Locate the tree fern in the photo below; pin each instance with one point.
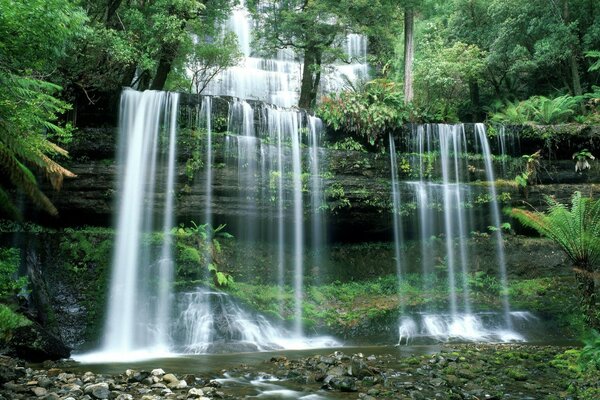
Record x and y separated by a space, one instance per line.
576 231
28 111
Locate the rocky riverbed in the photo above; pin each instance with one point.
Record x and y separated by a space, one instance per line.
456 371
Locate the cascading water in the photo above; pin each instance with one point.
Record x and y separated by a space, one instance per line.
442 210
138 307
277 80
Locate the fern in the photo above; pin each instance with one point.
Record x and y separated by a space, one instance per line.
28 112
576 231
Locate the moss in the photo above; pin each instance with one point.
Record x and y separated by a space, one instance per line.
518 374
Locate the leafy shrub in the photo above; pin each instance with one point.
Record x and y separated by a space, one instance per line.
369 114
577 232
199 249
10 320
9 284
590 354
540 110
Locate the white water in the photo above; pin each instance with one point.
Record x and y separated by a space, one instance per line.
277 80
137 312
212 322
495 209
443 204
397 220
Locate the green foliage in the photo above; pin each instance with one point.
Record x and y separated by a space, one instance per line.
576 231
582 158
367 115
207 59
29 107
595 55
87 249
539 110
199 249
443 75
10 285
348 144
10 320
590 354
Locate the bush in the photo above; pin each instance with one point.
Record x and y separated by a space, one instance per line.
10 320
369 114
540 110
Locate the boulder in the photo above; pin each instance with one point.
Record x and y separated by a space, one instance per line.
98 390
36 344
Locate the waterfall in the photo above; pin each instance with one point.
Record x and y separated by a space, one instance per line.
489 173
396 217
444 200
138 308
276 80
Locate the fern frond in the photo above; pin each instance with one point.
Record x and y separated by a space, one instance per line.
575 230
21 177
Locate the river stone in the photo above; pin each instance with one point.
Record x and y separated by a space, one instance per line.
344 384
336 371
194 393
359 368
158 386
98 390
39 391
190 379
124 396
158 372
170 378
45 382
465 373
51 396
181 384
54 372
437 382
8 373
139 376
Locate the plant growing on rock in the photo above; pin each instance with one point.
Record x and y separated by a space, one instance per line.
199 245
367 114
581 160
577 232
528 176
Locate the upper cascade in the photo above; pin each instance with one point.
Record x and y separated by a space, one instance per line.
277 80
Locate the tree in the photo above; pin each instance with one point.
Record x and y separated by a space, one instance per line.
310 27
136 43
29 108
577 232
208 59
409 51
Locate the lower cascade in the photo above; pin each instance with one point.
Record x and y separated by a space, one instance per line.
269 149
444 207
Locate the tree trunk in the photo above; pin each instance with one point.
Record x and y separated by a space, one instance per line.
162 71
590 301
317 78
307 87
409 44
573 63
476 107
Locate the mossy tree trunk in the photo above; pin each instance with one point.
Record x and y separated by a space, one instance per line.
587 280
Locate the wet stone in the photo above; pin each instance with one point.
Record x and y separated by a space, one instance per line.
39 391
